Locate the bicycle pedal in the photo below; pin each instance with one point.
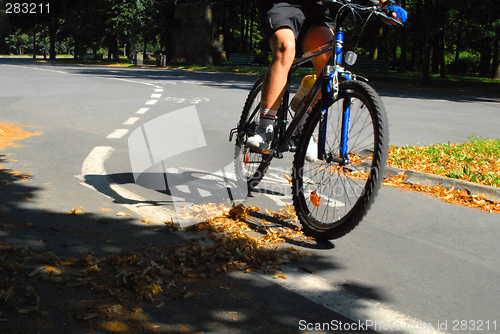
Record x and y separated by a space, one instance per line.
232 133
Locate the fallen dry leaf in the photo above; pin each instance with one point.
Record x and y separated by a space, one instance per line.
76 210
93 269
452 196
188 295
122 214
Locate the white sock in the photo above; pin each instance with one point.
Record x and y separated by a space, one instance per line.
267 117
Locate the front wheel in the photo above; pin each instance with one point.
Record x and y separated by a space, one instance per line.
331 198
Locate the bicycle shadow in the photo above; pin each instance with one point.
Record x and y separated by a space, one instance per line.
66 301
199 187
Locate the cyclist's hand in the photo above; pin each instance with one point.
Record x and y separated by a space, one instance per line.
398 13
391 9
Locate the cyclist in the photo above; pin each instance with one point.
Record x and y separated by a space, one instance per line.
285 22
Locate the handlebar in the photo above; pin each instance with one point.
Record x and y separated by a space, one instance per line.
376 10
389 18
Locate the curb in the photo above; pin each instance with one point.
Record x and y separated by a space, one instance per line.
412 177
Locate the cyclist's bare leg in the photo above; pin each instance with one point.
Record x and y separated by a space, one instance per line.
282 43
314 37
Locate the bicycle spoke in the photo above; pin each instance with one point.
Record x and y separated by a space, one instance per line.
253 165
343 192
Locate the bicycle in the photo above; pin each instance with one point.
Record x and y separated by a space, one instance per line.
349 126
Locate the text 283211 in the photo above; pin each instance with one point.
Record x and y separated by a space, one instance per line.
27 8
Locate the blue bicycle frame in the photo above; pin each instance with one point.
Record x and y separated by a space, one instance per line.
329 93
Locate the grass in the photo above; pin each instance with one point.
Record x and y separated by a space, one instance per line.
476 160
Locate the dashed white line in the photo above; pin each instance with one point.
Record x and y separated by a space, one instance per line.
142 110
118 133
155 96
151 102
159 90
131 121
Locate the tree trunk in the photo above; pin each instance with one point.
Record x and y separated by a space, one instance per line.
426 79
52 36
76 49
459 46
378 40
242 28
252 22
114 43
132 46
34 43
497 73
438 59
485 62
496 56
404 45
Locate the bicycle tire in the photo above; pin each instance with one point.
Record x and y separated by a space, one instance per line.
251 166
342 194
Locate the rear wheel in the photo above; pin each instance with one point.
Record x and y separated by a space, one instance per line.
331 198
250 165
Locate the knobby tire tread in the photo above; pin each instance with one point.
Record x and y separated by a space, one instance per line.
348 222
264 165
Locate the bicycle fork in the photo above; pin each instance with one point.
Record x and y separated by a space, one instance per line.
330 92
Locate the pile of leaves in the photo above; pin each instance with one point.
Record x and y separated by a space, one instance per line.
11 133
225 244
453 196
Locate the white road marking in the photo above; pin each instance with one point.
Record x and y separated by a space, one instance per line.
151 102
159 90
318 290
62 72
277 187
117 134
142 110
93 164
101 76
95 176
195 100
131 121
155 96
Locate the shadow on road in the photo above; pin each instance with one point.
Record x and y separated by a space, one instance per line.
455 91
80 272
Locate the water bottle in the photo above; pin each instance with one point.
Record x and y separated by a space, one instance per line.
304 88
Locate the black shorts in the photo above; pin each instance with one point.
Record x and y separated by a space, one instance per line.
297 15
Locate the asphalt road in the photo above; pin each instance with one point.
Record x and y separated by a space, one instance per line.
413 260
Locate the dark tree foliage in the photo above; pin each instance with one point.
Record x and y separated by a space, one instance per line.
440 37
